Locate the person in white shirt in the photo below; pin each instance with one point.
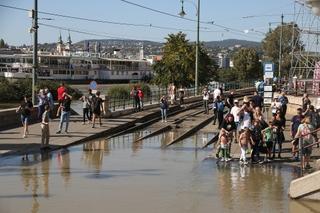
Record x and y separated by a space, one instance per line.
275 105
205 97
235 112
216 93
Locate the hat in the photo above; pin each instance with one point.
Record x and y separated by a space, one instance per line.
245 99
236 101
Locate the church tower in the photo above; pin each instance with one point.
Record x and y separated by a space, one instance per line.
60 45
69 43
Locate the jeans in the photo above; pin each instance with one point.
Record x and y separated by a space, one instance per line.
277 140
163 114
206 106
220 117
86 113
65 116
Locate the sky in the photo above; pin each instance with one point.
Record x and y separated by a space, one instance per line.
227 14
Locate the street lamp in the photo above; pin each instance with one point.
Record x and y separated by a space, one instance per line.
182 14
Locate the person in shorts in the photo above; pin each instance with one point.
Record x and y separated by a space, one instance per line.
25 109
97 108
304 132
295 123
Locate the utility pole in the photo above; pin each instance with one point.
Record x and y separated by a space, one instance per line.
35 48
197 49
280 49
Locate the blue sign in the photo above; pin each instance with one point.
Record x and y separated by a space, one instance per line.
268 67
93 85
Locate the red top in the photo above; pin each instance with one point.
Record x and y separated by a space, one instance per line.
60 92
140 93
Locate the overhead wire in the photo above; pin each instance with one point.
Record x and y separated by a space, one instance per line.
212 23
227 29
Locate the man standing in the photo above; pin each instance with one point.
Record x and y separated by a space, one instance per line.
205 97
136 100
235 112
257 100
65 110
97 108
295 123
141 96
60 91
25 108
230 100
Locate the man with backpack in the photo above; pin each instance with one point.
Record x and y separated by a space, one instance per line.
314 120
218 108
97 108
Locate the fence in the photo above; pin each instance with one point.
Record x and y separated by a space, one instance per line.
116 103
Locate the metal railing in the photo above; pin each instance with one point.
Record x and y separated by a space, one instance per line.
154 97
116 103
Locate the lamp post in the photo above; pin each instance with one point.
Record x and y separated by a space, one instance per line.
182 14
35 47
280 49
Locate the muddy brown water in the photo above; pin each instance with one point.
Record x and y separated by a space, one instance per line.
119 176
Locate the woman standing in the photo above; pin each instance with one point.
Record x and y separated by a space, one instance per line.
278 128
164 108
304 131
25 109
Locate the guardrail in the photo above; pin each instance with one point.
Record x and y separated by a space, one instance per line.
116 103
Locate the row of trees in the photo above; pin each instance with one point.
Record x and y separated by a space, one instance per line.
178 62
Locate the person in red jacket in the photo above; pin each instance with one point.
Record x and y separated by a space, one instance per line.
61 90
140 95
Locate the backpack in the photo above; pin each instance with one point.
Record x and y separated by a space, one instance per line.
220 106
305 132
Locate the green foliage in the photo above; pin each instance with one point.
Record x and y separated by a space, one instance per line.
123 91
178 63
247 65
271 45
14 91
227 75
3 44
119 91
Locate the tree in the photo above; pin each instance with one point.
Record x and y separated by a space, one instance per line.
3 44
247 65
271 45
178 63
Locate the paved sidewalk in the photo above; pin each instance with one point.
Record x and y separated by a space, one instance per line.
11 140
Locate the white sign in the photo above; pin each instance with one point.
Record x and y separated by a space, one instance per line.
268 95
267 88
268 75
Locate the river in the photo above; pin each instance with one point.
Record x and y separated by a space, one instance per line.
120 176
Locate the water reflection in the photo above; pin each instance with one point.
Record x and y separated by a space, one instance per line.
171 180
93 154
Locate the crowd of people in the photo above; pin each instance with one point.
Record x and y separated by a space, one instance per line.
257 136
92 105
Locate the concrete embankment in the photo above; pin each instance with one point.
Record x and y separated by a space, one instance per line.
307 187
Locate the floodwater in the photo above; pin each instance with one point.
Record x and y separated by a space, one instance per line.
120 176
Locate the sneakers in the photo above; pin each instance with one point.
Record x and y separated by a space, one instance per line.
83 123
222 160
58 132
245 162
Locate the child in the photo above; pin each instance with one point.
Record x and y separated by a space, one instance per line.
45 133
257 137
268 140
244 140
224 145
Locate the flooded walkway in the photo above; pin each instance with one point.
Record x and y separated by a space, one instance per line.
120 176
